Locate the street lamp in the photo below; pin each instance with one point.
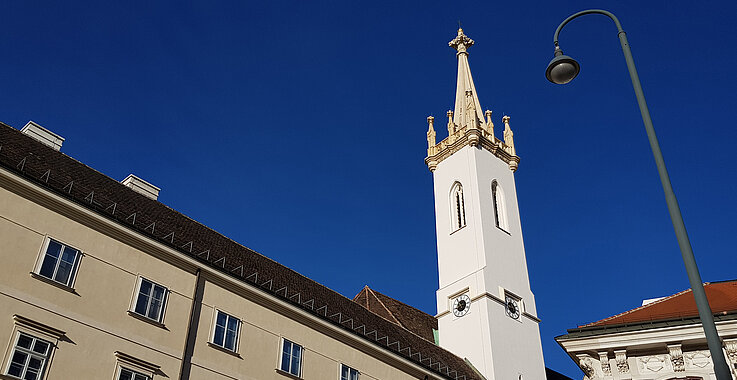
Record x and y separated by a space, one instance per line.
561 70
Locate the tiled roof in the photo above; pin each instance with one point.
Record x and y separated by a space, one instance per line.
722 298
81 184
398 312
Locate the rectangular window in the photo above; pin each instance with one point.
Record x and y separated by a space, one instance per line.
29 357
151 300
59 263
126 374
226 331
291 358
348 373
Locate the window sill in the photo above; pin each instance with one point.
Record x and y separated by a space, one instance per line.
223 349
454 231
8 377
503 230
52 282
287 374
147 319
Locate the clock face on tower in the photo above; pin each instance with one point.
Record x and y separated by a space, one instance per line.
512 307
461 305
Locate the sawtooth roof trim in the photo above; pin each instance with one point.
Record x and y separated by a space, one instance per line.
84 185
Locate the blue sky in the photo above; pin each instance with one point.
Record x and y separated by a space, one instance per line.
298 129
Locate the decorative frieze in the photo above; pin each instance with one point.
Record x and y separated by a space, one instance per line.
604 360
698 359
469 136
676 357
730 347
586 363
620 356
653 363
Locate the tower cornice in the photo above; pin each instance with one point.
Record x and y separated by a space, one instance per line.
463 136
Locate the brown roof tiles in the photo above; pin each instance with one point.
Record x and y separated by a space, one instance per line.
398 312
79 183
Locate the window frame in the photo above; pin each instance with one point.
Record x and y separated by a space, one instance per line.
499 205
214 331
125 362
29 352
340 374
36 329
457 207
280 358
70 283
133 372
136 294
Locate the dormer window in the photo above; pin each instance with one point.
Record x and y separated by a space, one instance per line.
458 212
500 210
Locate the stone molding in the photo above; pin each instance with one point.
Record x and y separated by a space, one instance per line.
38 326
604 360
676 357
474 137
730 347
621 358
586 363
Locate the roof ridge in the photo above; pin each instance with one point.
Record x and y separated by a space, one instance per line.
405 304
357 300
666 298
386 308
412 332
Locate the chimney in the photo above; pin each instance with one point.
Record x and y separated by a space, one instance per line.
43 135
141 186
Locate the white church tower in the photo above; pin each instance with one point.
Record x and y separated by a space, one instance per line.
486 310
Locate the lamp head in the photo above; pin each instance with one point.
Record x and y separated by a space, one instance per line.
562 69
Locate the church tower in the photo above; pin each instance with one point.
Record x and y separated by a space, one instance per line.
486 310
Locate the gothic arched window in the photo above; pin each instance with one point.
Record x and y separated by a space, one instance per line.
457 209
500 209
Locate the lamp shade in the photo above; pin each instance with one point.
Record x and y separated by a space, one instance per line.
562 69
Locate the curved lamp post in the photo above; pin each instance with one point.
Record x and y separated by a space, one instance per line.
561 70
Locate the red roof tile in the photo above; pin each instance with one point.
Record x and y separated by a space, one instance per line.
722 298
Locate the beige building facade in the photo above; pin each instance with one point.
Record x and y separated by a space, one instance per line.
101 281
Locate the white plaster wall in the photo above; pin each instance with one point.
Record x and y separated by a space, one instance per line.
480 245
459 252
464 337
516 345
483 259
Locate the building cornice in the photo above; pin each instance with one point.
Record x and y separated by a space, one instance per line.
662 334
641 326
476 137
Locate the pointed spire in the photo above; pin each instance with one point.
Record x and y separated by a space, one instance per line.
508 136
467 107
451 125
430 132
489 124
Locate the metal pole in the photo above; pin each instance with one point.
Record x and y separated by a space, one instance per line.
721 368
